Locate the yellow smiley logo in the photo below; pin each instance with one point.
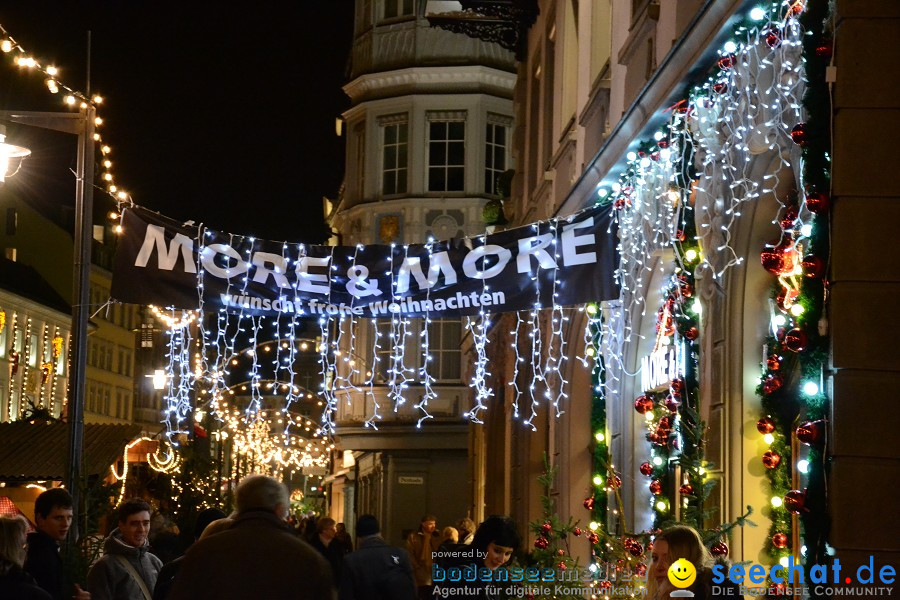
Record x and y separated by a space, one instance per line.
682 573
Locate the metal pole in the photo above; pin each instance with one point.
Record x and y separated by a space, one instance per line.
84 201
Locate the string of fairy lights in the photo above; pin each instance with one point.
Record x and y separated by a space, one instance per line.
71 99
738 139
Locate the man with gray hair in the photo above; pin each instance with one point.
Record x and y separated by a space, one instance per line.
257 557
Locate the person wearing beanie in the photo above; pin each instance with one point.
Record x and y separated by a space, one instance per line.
376 571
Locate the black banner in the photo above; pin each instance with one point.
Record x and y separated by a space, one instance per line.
566 261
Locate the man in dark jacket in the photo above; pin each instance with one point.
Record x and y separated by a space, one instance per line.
53 518
376 571
127 570
257 557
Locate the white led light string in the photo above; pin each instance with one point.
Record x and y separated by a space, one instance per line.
424 373
327 366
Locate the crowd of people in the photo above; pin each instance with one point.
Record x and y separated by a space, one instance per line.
256 553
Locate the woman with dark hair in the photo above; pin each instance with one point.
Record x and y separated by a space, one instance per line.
492 546
681 541
497 538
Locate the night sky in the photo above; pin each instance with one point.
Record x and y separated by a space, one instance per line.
218 114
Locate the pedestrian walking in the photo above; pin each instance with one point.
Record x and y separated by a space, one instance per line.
14 581
449 537
258 556
127 570
682 541
421 545
169 572
343 536
376 571
52 518
466 528
492 546
331 550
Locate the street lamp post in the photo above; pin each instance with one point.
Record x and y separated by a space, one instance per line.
82 125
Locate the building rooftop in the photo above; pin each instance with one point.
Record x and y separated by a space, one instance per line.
24 281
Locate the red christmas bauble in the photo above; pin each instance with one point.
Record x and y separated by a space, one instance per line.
776 589
779 259
646 469
812 433
665 323
680 235
615 482
799 134
655 487
663 427
642 404
771 261
692 333
796 340
654 156
577 531
780 541
797 7
817 202
687 290
726 62
663 143
771 459
677 385
627 542
789 218
562 565
640 570
720 88
636 549
773 39
541 543
593 538
560 552
773 363
765 425
546 528
795 501
672 402
589 503
686 490
813 266
605 584
719 549
772 383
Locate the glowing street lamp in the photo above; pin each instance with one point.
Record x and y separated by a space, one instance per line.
80 124
11 156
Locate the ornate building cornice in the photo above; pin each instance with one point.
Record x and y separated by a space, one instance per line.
431 79
503 22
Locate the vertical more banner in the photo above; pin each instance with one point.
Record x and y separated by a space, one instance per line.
563 261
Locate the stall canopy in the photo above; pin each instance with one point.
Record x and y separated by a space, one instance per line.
39 451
